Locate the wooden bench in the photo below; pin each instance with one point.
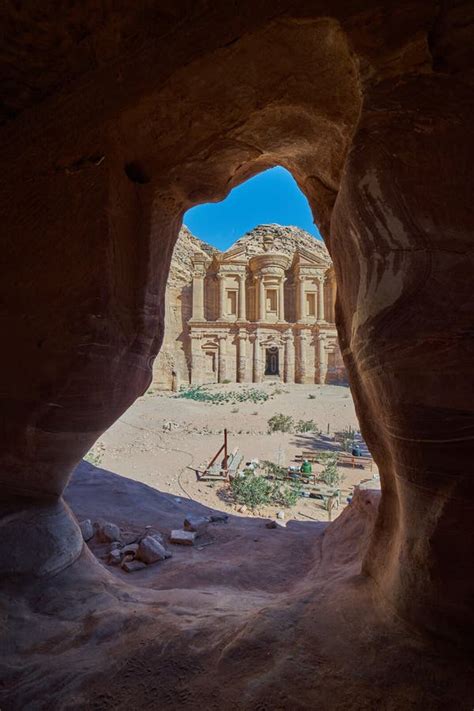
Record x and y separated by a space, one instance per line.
345 459
233 463
313 457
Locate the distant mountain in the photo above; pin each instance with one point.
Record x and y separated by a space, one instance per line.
181 264
280 238
263 238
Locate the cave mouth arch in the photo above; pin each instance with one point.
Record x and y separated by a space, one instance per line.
218 120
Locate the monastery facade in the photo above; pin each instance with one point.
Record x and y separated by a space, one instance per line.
256 312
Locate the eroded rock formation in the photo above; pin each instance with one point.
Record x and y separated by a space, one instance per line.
116 122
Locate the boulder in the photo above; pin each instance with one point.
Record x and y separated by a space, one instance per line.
219 518
185 538
108 532
271 524
197 524
87 529
150 550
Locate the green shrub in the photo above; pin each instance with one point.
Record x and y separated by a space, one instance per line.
306 426
330 474
201 394
94 456
251 490
280 423
254 491
286 495
274 470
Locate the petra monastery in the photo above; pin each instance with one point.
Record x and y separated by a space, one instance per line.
262 309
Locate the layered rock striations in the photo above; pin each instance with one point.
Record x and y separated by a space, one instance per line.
118 120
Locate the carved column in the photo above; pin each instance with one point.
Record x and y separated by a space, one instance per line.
333 298
321 299
281 300
242 357
261 299
322 358
300 299
289 359
196 360
242 298
256 359
222 363
198 297
221 296
302 370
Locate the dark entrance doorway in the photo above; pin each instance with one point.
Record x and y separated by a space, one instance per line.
272 365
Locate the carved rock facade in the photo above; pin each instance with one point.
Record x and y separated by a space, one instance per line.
262 309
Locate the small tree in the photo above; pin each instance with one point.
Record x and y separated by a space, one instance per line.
347 438
280 423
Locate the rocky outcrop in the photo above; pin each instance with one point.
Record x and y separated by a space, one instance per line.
285 239
181 267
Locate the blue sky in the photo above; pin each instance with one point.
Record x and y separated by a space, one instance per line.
272 196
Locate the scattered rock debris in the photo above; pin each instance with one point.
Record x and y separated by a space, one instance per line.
271 524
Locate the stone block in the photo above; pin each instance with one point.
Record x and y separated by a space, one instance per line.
185 538
130 566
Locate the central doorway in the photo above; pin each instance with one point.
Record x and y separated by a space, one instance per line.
272 364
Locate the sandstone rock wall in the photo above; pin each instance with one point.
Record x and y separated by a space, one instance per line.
118 120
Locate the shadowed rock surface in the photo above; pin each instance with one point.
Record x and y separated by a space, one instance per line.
115 123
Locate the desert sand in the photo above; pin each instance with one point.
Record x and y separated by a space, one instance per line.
162 437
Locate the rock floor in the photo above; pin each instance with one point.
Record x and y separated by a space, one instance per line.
260 619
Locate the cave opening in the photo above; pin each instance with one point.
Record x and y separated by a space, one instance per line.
353 104
250 341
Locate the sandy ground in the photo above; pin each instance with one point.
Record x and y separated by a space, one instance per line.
162 437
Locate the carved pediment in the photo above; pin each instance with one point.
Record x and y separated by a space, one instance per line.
304 258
